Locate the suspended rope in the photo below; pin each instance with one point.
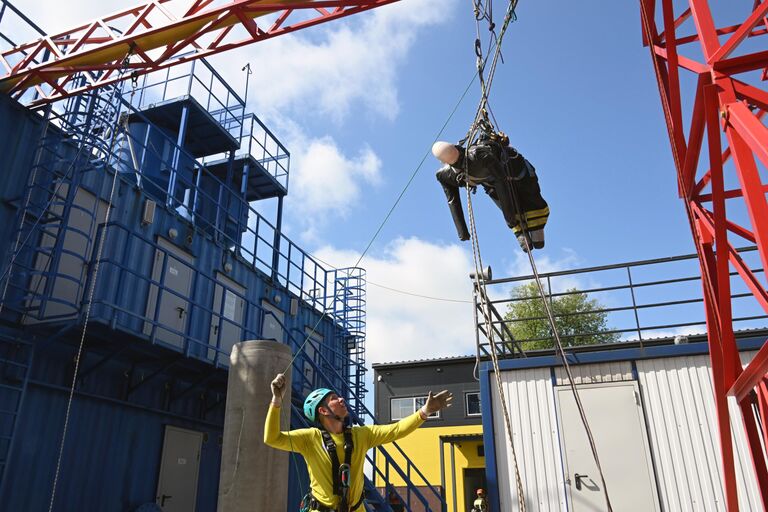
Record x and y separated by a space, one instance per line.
121 125
482 123
481 119
388 215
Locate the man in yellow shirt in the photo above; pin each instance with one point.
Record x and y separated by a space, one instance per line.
338 490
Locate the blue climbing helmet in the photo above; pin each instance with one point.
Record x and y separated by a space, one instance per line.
313 400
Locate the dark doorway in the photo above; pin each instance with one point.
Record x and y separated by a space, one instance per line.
474 479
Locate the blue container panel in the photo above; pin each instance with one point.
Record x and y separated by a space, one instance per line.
111 459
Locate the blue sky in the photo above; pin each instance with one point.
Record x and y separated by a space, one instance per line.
358 102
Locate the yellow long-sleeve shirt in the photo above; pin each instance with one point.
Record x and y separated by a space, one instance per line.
309 443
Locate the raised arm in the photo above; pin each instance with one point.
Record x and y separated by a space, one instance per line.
293 440
382 434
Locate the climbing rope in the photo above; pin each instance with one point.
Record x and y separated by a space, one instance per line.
94 277
389 213
482 123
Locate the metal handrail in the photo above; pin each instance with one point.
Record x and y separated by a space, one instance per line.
634 329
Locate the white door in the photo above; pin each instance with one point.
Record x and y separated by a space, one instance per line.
616 418
272 321
227 319
177 484
174 270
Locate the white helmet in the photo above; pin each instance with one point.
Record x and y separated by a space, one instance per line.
445 152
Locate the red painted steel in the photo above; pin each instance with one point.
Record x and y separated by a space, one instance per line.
725 116
148 37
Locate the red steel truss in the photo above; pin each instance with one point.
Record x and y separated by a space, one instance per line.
154 38
726 109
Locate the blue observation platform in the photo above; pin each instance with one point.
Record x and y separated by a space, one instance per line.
260 165
190 123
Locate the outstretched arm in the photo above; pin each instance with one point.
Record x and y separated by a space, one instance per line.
382 434
294 440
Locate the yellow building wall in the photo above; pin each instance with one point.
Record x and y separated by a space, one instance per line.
423 449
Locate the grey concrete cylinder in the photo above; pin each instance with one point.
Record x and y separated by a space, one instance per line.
253 475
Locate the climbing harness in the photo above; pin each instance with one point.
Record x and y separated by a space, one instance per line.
340 474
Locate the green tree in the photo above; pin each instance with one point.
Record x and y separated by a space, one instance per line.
579 319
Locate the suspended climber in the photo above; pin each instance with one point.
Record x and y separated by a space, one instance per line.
507 177
337 487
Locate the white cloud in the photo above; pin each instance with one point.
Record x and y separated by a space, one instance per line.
328 70
325 181
403 327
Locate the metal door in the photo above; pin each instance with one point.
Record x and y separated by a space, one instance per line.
227 318
310 351
271 320
179 468
617 421
173 269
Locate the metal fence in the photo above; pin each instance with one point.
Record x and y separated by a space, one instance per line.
627 302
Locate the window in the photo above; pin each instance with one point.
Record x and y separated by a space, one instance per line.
403 407
472 401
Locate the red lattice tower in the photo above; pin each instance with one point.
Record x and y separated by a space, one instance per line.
727 108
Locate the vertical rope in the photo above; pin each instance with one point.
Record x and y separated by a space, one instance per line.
91 291
477 258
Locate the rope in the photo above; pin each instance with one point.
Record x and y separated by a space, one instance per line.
556 334
477 258
91 292
481 120
389 214
567 366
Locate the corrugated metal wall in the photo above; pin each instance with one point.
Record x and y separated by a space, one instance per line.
111 458
680 418
682 426
593 373
530 399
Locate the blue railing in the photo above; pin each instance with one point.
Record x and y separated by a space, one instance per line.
196 79
258 142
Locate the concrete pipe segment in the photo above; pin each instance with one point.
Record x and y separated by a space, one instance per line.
253 475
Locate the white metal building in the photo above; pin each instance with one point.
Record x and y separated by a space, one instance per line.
652 415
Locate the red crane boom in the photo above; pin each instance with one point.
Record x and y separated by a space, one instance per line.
155 39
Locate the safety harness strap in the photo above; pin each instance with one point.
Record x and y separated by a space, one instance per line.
340 472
